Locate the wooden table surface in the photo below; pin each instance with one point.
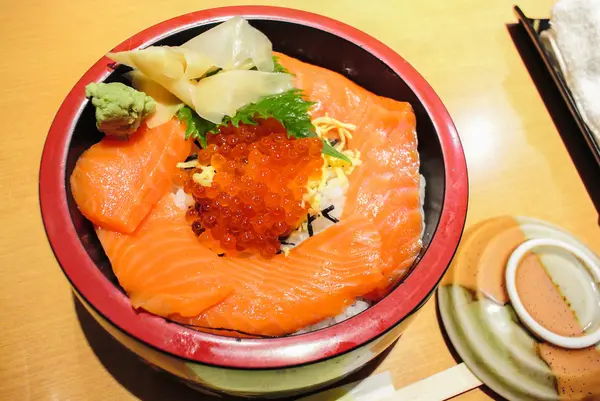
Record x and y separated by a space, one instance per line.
50 349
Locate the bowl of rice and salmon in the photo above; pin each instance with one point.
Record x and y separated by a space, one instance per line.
256 200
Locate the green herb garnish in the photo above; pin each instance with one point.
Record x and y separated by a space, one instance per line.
278 67
331 151
289 108
196 126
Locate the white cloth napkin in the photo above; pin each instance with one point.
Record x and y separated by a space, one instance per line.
575 36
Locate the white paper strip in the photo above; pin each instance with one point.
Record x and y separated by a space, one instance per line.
439 387
370 389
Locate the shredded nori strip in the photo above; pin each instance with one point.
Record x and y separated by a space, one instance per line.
221 255
287 243
325 213
191 157
328 209
278 252
197 142
334 142
309 223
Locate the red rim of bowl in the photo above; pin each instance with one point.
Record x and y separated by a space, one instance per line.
252 353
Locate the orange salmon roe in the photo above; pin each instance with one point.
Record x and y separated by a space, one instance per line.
256 194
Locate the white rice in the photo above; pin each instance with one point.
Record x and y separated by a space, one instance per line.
181 199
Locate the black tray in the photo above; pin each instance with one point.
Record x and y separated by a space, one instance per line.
534 27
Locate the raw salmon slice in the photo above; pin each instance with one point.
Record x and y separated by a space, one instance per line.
166 270
162 266
386 186
115 183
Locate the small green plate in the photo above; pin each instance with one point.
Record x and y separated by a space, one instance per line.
556 289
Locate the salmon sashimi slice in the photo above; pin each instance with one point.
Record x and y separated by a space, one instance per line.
166 270
115 183
162 265
386 187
